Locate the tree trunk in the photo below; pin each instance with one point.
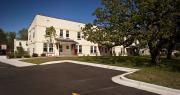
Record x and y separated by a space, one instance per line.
155 58
155 54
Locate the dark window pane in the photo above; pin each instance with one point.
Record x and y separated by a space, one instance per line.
95 49
78 35
60 48
67 47
61 33
80 48
91 50
67 33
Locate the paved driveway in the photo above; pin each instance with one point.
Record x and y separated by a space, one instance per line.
61 79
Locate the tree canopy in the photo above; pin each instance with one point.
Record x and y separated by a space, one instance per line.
23 34
111 24
121 22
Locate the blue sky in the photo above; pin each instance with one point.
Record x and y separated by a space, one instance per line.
17 14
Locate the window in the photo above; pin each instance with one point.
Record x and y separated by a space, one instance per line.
61 33
30 37
67 33
79 48
67 47
95 49
60 48
91 50
51 47
45 47
33 34
78 35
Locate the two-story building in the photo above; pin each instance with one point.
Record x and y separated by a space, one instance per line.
67 40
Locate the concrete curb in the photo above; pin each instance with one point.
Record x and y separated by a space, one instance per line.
15 62
121 79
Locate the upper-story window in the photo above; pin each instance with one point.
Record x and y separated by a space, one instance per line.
30 37
67 33
33 34
61 33
78 35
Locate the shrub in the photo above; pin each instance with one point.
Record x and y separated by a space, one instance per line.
18 55
43 54
34 55
11 55
27 56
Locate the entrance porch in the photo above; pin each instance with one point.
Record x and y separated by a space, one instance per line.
66 47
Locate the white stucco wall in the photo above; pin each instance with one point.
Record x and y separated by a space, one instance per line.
24 44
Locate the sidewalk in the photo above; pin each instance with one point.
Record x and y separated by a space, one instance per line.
14 62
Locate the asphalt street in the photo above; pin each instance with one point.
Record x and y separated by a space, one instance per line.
62 79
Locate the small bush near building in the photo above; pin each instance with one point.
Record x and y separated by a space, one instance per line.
18 55
27 56
10 55
34 55
43 54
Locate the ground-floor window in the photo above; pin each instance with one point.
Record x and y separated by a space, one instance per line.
60 48
93 49
79 48
48 47
45 47
51 47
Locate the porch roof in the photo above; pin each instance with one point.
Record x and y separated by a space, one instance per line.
62 40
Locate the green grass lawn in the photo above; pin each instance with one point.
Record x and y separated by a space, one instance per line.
167 74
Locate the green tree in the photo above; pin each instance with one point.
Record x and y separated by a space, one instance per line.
23 34
10 40
50 33
156 23
3 39
111 25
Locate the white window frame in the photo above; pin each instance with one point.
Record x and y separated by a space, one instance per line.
79 35
93 49
67 33
79 50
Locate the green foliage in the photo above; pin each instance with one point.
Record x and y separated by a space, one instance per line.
26 56
20 50
3 39
34 55
10 40
43 54
50 32
23 34
11 55
111 24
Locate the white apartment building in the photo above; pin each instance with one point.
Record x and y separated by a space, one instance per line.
67 41
20 43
